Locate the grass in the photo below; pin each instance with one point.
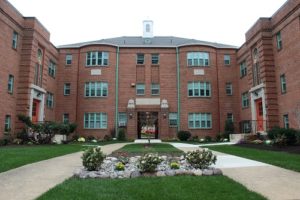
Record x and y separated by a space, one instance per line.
160 148
163 188
280 159
15 156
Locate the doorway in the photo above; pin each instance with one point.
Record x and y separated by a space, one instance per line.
259 115
35 110
147 125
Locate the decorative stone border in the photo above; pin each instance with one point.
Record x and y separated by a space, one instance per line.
131 170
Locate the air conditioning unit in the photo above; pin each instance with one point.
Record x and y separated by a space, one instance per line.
121 124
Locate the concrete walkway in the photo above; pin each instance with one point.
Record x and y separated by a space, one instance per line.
30 181
273 182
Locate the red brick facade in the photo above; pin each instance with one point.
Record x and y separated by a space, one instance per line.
266 103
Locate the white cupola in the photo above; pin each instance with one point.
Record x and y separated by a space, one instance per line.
147 29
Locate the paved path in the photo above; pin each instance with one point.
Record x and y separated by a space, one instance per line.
273 182
30 181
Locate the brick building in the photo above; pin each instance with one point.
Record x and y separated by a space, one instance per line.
149 83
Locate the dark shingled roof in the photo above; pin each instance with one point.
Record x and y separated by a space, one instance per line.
161 41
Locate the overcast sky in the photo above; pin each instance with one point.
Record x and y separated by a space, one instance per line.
222 21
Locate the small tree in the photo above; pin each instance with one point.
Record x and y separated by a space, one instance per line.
296 113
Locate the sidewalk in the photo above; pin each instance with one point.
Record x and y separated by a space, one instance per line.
273 182
30 181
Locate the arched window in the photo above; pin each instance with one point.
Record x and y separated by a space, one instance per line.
255 55
40 56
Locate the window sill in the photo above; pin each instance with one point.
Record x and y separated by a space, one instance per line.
96 66
209 97
95 128
191 66
94 97
200 128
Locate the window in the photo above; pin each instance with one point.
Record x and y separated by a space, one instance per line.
140 89
243 69
96 89
245 100
154 89
7 125
52 69
173 119
122 119
50 100
67 89
283 84
226 59
10 85
230 117
229 88
154 59
15 40
200 120
97 58
286 121
69 59
198 59
95 120
245 126
199 89
278 40
66 118
140 59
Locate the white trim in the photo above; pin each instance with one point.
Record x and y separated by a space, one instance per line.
258 92
32 86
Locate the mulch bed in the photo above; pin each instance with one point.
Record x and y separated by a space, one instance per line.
288 149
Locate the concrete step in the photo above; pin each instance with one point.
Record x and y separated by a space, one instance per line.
143 141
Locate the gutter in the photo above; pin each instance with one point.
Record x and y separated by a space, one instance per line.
117 93
178 88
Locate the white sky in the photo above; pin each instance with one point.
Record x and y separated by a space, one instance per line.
222 21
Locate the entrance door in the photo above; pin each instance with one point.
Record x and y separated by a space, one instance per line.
147 126
35 110
259 115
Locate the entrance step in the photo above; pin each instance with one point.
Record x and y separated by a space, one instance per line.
143 141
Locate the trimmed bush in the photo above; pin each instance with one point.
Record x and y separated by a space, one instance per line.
183 135
121 134
149 162
283 136
201 159
92 158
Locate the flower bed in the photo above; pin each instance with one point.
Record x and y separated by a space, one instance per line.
147 165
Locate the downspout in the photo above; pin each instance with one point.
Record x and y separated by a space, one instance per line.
178 89
117 93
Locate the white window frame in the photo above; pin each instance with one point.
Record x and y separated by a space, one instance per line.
96 89
67 87
173 119
140 89
140 59
199 89
66 118
52 69
155 59
278 41
245 100
229 117
155 89
199 120
15 40
227 59
97 58
10 85
69 58
7 123
283 84
243 69
95 120
200 58
286 123
50 100
122 119
229 89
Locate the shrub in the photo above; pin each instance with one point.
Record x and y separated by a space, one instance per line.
90 138
200 159
174 165
107 138
183 135
120 166
277 134
123 157
208 138
92 158
121 134
81 139
149 162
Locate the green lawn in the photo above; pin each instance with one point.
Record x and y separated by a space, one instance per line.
280 159
162 188
160 148
15 156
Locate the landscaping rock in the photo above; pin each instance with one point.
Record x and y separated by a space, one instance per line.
207 172
217 171
131 170
135 174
